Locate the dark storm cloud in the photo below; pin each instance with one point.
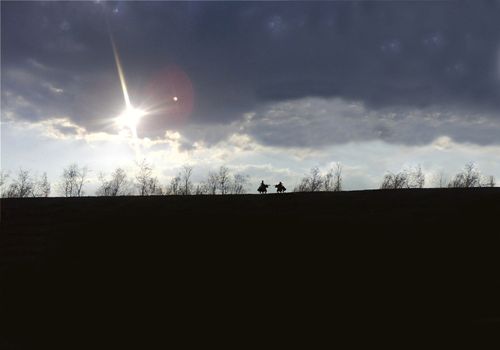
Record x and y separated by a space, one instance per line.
57 59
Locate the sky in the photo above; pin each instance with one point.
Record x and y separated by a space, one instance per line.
268 89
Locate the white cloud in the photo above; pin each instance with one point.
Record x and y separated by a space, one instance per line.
442 143
249 145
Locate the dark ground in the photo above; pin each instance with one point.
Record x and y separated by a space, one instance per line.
251 270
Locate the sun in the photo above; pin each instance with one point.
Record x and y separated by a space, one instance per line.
130 118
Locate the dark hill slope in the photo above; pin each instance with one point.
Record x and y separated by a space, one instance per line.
74 270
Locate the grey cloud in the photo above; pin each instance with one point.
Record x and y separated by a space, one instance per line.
313 122
244 56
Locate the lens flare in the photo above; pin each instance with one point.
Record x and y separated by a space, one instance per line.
169 97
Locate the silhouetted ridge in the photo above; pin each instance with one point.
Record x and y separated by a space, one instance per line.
368 260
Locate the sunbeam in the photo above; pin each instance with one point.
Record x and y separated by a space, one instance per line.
131 116
120 72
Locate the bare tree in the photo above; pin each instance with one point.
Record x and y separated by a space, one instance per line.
22 186
4 176
185 178
201 189
440 180
328 181
416 178
489 181
25 185
223 180
147 184
303 186
388 181
240 181
220 182
313 182
143 177
395 181
117 185
72 181
211 184
42 187
337 178
175 187
469 177
406 178
332 181
104 187
154 187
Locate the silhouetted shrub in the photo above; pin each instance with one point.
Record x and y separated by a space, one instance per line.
42 187
72 181
470 176
239 184
146 183
407 178
333 179
489 181
24 185
117 185
223 182
314 182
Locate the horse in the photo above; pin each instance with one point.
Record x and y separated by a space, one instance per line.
262 188
280 188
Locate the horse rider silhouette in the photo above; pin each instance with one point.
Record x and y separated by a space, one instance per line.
280 188
263 187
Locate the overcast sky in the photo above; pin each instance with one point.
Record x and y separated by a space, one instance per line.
268 89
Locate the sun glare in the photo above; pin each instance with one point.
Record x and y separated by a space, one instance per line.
130 118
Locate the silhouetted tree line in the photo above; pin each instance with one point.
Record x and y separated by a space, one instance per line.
471 177
316 181
414 178
144 183
72 181
24 184
407 178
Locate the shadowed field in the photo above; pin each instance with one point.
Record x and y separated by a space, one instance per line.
209 269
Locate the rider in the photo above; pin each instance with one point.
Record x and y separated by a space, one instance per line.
262 186
280 187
